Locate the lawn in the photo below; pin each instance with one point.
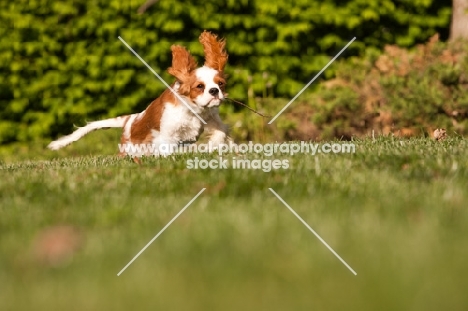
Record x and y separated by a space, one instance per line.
395 211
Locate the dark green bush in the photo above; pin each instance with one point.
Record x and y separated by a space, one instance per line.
62 63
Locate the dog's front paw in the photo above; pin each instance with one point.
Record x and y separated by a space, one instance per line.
165 149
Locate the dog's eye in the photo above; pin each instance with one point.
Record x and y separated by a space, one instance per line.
220 83
200 86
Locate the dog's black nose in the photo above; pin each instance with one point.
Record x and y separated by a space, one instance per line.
213 91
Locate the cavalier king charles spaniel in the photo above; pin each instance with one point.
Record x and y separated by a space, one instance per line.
168 120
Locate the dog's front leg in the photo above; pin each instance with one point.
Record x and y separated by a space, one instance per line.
164 146
217 130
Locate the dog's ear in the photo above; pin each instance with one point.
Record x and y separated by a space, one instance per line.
183 63
215 54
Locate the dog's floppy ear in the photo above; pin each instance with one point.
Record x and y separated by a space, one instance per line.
182 63
215 54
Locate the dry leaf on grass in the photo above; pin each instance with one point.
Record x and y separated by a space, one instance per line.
56 245
440 134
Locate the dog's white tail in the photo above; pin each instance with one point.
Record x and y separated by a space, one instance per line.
82 131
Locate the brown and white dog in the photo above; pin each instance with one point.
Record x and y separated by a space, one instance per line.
168 120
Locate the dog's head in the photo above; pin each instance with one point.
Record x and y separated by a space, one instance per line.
205 86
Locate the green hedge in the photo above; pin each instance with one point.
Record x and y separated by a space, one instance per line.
62 64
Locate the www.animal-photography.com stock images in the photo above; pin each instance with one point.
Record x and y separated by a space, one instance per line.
234 155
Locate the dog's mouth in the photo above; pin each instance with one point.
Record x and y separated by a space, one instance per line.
215 101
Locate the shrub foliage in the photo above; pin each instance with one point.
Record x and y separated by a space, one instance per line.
397 91
62 63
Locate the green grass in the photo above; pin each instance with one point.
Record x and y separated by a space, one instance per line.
396 211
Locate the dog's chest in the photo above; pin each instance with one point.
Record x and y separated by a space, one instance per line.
181 124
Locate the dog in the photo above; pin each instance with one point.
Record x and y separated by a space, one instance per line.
168 120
